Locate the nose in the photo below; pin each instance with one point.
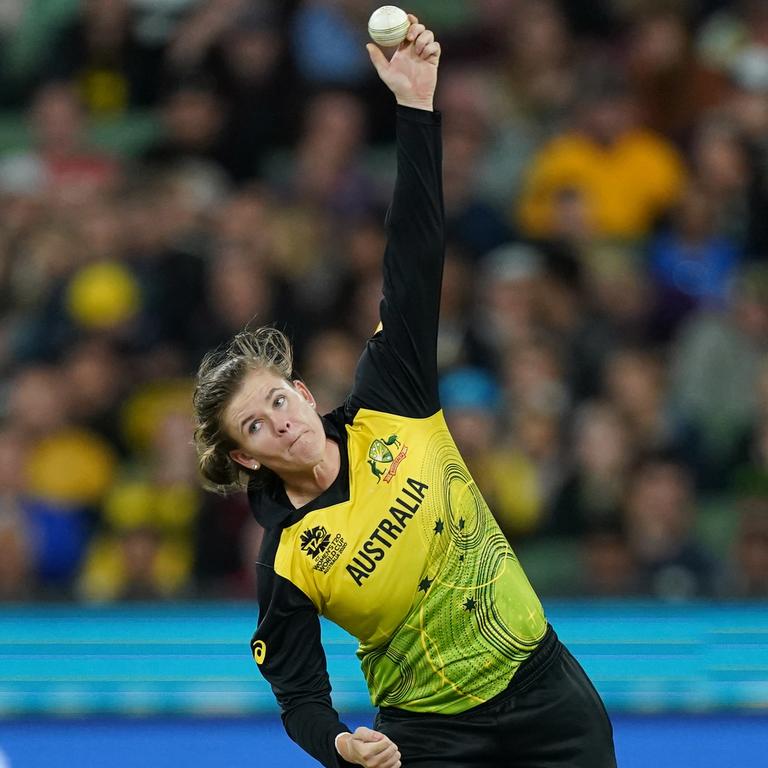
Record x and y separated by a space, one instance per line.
282 426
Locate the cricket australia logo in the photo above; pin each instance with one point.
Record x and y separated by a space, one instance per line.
318 545
380 453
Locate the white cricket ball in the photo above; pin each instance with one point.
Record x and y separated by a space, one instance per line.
388 25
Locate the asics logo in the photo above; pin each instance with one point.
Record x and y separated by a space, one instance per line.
259 651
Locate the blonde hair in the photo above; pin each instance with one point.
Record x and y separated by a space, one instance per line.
219 377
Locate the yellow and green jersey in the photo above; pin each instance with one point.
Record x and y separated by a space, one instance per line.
402 550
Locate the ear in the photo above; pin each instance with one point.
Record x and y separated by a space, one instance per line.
244 459
303 390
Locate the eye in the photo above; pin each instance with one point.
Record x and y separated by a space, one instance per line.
254 427
279 401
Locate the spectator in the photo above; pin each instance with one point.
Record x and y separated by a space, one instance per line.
95 374
145 548
590 499
199 31
168 253
523 88
608 567
750 476
539 436
715 365
533 377
569 318
357 261
634 381
691 262
240 45
672 85
262 108
326 170
457 292
538 67
17 571
69 168
748 574
11 15
628 176
658 516
619 292
721 167
747 106
504 311
238 290
38 263
102 52
329 363
224 548
326 40
731 30
67 471
475 221
194 119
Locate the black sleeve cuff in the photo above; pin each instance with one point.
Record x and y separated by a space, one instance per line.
419 115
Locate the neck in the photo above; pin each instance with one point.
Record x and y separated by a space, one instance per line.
303 487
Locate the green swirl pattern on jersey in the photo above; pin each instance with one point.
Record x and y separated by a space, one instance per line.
475 617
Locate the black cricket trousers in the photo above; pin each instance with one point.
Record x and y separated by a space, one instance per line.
550 716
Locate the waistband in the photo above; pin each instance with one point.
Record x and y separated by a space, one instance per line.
538 662
547 651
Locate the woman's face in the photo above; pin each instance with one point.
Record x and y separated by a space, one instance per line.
274 424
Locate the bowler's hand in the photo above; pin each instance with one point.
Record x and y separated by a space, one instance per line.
411 73
369 748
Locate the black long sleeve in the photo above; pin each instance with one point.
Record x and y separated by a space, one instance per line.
398 370
287 647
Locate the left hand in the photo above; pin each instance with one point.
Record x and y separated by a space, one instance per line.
411 73
369 748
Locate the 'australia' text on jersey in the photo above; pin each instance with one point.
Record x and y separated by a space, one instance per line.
387 531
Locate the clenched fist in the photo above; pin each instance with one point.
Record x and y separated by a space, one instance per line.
368 748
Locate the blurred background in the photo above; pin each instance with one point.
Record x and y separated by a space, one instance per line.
173 169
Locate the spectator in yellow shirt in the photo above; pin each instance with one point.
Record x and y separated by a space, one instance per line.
626 176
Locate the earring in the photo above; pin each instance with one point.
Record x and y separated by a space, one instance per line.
256 466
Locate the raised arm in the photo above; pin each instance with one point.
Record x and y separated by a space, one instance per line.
398 371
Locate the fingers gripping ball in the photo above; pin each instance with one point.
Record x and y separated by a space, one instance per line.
388 26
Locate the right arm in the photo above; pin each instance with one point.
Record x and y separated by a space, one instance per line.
398 370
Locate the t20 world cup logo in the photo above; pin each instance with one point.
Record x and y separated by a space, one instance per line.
315 540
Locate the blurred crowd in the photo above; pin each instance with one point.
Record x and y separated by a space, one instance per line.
186 167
